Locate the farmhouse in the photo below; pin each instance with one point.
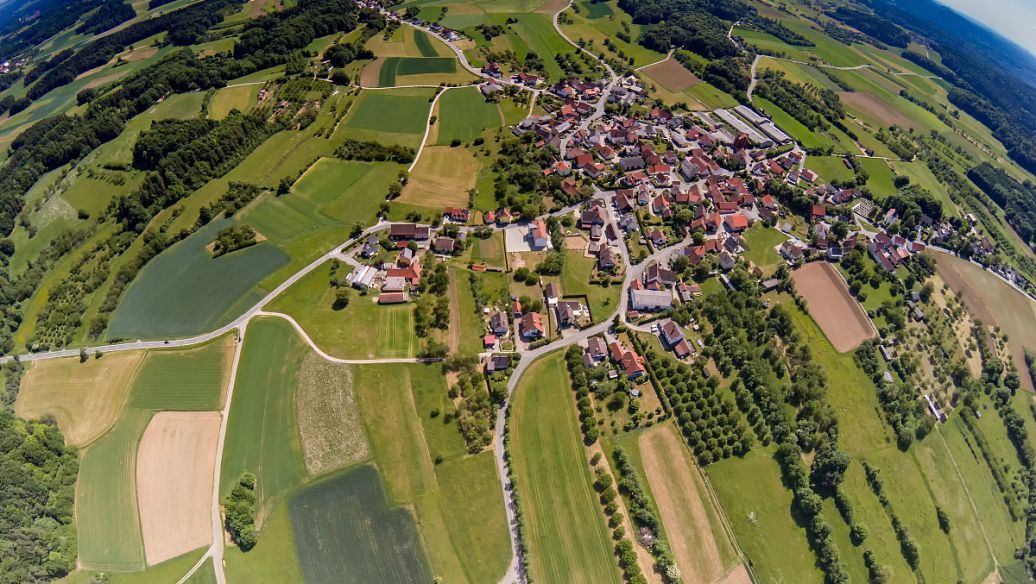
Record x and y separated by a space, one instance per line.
408 232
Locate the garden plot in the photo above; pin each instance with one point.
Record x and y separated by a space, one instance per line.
827 297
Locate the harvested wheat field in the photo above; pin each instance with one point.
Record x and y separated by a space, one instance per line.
838 314
83 398
371 73
329 421
699 544
672 75
175 463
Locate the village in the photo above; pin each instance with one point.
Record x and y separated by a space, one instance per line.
675 202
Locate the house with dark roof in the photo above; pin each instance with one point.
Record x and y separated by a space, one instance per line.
408 231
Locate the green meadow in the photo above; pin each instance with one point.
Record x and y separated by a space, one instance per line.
183 380
464 114
568 539
362 330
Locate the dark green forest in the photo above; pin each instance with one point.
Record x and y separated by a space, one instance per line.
37 487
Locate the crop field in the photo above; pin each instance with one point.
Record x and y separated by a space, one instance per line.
262 433
284 220
174 483
762 245
407 41
839 315
394 67
672 75
273 559
441 178
241 98
329 422
575 280
396 403
757 505
186 291
992 301
84 398
464 114
702 549
106 498
346 532
565 525
362 330
398 116
184 380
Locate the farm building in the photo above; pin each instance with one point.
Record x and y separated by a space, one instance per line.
650 299
392 298
363 278
408 231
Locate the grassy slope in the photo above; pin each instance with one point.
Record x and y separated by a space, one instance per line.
567 536
464 114
361 330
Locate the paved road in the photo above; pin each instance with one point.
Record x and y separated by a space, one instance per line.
204 337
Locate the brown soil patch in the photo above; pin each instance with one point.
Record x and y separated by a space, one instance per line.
877 109
679 496
837 313
83 398
175 463
992 301
329 421
441 178
371 73
672 75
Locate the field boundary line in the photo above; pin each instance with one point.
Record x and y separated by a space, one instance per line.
428 127
662 60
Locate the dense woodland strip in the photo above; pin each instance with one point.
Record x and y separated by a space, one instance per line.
37 487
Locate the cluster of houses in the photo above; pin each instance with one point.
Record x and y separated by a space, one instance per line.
598 351
395 280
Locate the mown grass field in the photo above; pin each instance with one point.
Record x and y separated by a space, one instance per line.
273 560
471 328
575 280
565 525
762 243
530 32
464 114
830 168
464 543
241 98
85 399
262 432
489 251
346 532
758 505
106 498
362 330
186 291
184 380
442 177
